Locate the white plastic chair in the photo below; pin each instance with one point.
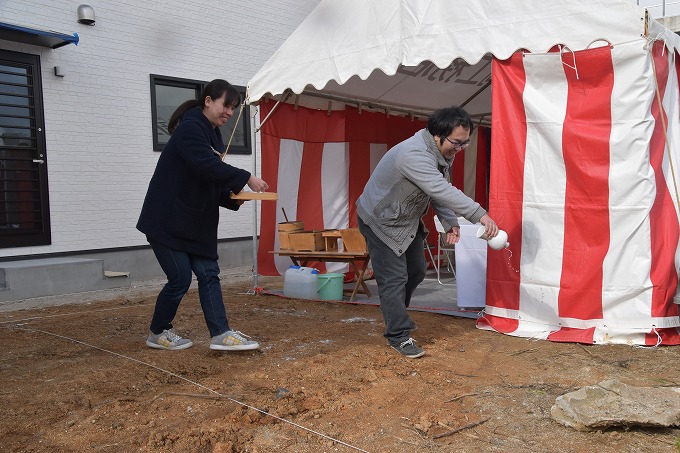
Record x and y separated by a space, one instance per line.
443 249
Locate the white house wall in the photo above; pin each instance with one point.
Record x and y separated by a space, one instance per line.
98 125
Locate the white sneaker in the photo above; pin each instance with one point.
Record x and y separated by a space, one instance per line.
168 339
233 340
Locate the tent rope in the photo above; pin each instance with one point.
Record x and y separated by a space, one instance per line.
573 55
663 123
240 111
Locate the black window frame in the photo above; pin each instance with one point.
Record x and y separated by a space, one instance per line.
198 85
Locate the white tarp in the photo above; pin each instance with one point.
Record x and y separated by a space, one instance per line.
409 50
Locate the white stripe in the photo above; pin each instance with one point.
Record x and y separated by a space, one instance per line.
335 191
545 104
335 185
619 336
670 102
290 162
626 286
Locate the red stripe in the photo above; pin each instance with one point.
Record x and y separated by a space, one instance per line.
669 336
482 168
507 180
458 172
663 220
304 125
585 149
372 127
572 335
502 325
309 201
270 173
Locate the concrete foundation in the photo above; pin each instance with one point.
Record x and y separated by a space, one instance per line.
49 276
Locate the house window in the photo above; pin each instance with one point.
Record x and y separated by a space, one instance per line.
168 93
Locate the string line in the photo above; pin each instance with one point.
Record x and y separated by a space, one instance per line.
132 359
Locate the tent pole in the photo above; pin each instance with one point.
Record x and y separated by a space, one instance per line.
486 85
253 138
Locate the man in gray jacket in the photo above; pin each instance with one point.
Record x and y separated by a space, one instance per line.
412 174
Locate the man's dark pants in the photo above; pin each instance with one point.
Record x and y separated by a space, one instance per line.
397 277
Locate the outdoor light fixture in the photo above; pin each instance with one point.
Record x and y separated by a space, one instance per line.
86 15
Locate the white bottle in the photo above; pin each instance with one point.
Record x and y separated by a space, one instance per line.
498 242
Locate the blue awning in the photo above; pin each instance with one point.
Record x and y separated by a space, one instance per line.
36 36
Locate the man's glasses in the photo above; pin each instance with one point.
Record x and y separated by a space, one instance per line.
458 145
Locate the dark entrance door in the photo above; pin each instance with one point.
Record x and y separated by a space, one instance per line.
24 204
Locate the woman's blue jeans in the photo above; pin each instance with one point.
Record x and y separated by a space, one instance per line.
178 267
397 277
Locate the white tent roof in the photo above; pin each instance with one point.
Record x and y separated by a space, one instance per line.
403 53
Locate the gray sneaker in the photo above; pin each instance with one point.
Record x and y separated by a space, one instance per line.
408 348
168 339
233 340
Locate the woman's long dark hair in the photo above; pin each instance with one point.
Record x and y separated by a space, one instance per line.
215 90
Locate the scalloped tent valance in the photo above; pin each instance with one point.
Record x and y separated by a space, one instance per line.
417 56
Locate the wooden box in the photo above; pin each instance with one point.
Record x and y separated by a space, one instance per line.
353 240
307 241
285 230
331 240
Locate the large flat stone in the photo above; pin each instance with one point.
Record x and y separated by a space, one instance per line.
612 403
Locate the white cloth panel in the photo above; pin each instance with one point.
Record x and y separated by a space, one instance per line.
631 188
335 192
545 104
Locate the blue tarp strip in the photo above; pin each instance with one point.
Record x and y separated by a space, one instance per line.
57 39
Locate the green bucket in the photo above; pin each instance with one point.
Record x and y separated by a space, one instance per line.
330 286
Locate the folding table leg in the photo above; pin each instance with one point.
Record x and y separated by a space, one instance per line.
360 279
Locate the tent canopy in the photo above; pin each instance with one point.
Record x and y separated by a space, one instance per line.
417 56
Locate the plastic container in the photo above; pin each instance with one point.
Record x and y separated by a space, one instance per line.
301 283
330 286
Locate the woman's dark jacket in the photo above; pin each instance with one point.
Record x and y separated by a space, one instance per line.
191 182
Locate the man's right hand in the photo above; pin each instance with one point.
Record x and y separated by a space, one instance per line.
490 227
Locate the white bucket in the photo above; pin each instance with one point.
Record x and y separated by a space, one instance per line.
301 283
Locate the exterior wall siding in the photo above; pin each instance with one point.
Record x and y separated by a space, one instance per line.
98 126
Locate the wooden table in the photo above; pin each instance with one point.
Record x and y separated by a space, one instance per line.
300 258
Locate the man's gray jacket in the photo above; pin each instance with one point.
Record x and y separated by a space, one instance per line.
406 179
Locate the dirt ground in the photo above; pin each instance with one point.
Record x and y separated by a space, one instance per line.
78 377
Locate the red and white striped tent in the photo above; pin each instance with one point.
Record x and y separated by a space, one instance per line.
583 104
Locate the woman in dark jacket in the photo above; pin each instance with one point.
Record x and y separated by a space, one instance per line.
181 213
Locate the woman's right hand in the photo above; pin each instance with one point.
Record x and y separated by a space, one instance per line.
256 184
